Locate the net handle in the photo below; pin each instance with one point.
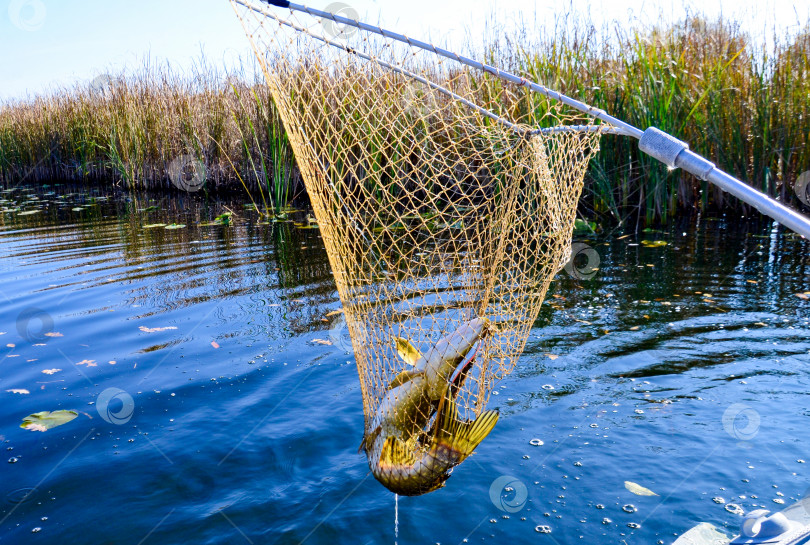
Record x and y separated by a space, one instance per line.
653 142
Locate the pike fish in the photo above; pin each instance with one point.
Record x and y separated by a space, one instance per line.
404 457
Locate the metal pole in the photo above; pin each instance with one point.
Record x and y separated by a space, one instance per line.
654 142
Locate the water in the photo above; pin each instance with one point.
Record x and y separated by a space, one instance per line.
228 419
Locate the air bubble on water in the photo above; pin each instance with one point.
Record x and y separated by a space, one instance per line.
536 442
493 521
734 509
778 500
13 460
43 519
639 411
634 525
629 508
600 506
719 500
547 387
542 529
578 464
525 456
35 530
606 521
594 425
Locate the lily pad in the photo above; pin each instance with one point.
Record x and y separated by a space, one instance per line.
45 420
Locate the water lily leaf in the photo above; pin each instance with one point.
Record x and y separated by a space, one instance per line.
45 420
638 490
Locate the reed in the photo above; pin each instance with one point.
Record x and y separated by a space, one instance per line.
132 127
707 82
743 106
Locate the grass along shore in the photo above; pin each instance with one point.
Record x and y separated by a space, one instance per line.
706 82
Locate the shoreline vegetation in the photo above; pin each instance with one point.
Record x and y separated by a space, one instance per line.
743 106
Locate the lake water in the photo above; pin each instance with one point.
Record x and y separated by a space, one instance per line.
212 411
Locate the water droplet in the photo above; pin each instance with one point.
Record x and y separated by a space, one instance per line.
629 508
600 506
719 500
536 442
606 521
633 525
578 464
493 521
13 460
778 500
594 425
35 530
43 519
542 529
525 456
639 411
547 387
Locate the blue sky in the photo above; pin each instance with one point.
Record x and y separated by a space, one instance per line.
47 43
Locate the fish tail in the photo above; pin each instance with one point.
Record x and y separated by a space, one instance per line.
456 439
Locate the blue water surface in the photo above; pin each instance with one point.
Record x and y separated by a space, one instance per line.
219 403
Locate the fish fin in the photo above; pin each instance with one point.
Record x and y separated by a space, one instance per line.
394 453
461 437
405 376
369 438
407 351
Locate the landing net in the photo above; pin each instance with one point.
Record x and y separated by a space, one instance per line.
443 193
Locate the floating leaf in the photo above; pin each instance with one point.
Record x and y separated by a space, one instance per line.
154 225
18 391
322 341
78 209
88 363
176 226
802 296
45 420
334 313
654 243
28 213
638 490
215 344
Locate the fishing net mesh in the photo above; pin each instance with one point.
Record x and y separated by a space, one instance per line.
442 193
